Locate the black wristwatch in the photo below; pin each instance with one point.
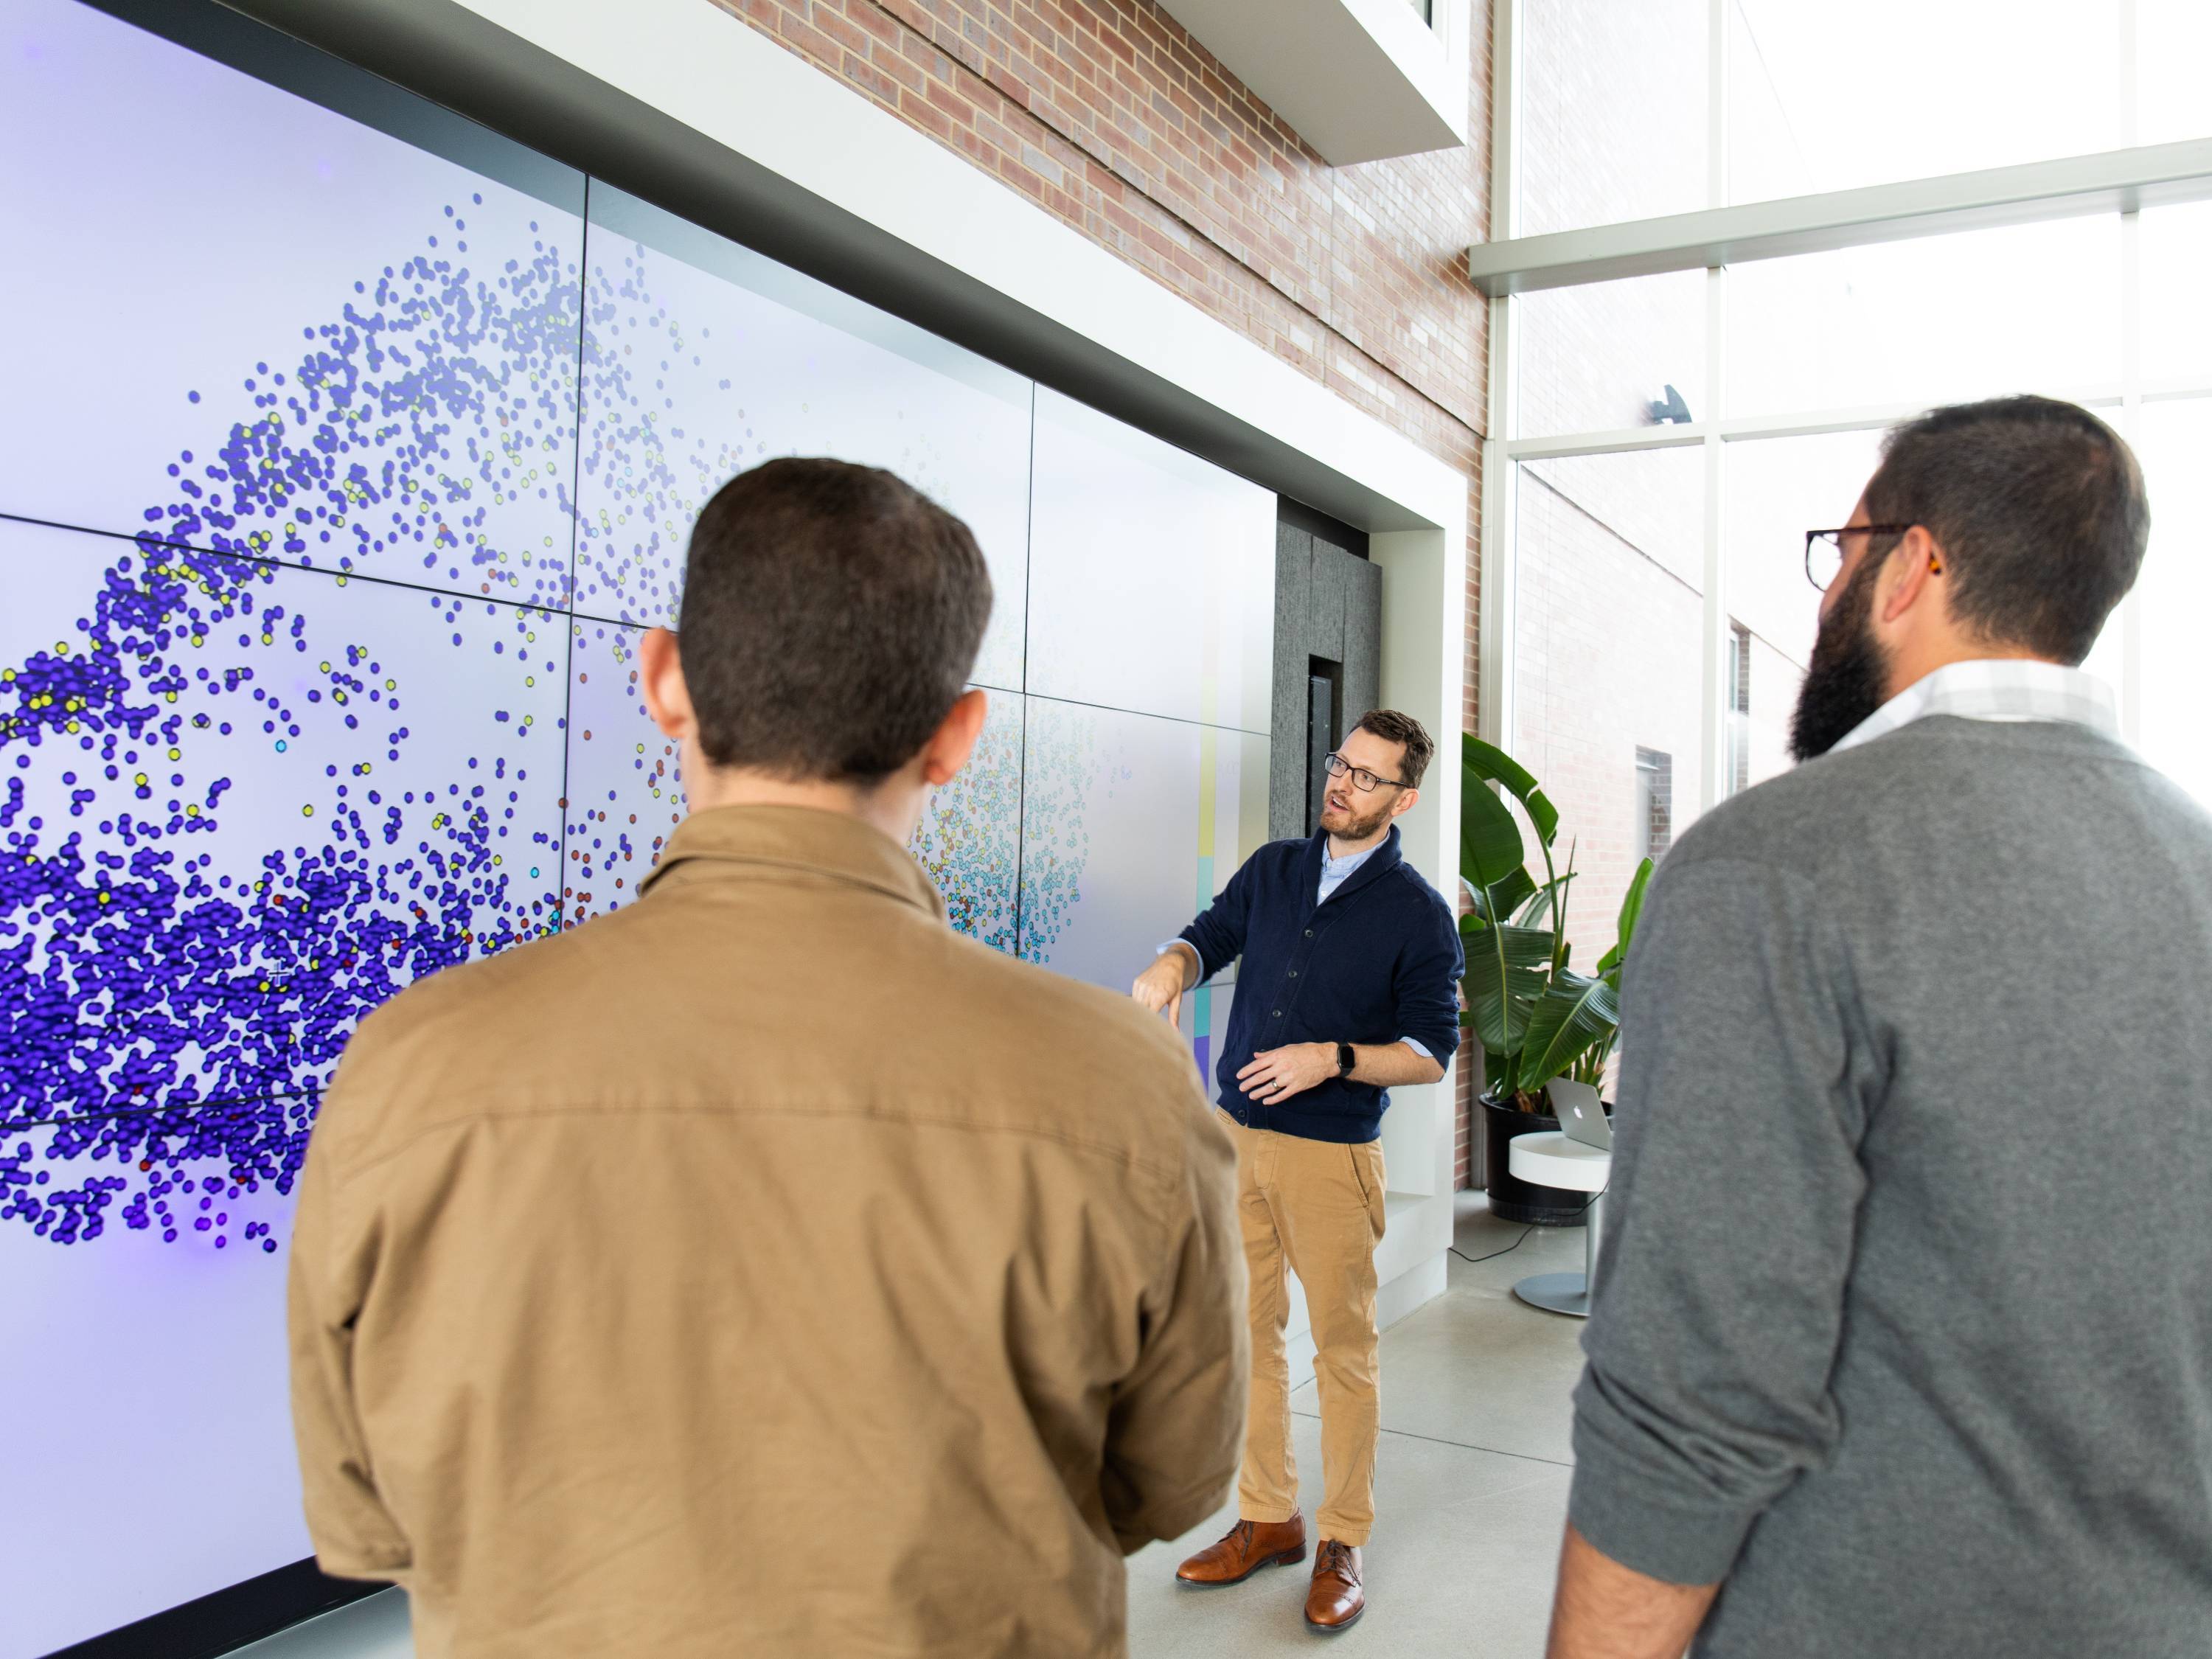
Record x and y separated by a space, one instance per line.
1345 1060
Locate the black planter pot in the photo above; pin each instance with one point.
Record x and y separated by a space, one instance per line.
1523 1203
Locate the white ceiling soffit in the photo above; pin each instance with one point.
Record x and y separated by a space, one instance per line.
1360 80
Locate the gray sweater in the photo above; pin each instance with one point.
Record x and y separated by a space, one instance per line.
1905 1318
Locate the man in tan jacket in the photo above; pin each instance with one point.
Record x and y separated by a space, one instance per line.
766 1268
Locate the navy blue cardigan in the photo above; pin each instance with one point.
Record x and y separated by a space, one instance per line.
1379 962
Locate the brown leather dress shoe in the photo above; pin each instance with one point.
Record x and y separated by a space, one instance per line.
1336 1599
1250 1546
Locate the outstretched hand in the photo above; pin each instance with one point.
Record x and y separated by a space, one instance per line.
1278 1074
1159 987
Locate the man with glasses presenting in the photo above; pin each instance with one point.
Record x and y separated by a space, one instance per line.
1351 960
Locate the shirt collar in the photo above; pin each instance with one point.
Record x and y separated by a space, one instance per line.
723 839
1997 690
1331 866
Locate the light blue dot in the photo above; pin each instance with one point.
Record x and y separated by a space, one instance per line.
279 745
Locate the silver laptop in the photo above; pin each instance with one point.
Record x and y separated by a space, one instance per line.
1581 1113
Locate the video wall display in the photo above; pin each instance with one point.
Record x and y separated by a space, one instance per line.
332 516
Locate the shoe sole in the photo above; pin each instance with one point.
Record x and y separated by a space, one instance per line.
1287 1559
1337 1629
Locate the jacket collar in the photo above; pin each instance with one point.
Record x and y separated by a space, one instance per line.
1384 857
770 841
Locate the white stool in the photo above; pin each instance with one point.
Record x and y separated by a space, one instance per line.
1555 1160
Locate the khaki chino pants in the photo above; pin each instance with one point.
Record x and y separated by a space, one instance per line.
1315 1208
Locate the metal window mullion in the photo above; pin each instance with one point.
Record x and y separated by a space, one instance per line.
1714 682
1495 666
2131 378
1714 688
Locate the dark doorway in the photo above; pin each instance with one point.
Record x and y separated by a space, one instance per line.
1328 643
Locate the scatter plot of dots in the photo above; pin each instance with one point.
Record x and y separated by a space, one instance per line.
969 838
1131 823
701 358
387 387
245 807
625 791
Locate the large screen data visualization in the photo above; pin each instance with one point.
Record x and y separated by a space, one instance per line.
346 451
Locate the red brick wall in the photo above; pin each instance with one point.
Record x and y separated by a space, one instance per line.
1108 115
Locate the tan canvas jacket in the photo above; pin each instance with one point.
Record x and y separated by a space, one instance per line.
765 1268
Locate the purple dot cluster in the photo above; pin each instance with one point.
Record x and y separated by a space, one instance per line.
169 1018
167 1025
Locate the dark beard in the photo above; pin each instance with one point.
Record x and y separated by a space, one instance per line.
1360 828
1846 683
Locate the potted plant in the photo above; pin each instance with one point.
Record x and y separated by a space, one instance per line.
1534 1015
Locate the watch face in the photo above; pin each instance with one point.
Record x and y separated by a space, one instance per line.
1344 1059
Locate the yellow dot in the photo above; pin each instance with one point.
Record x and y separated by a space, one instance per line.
530 680
392 685
176 754
306 811
191 811
140 779
326 668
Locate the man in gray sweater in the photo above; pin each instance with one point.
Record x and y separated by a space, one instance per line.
1903 1338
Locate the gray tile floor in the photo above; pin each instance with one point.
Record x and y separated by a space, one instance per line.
1472 1493
1471 1485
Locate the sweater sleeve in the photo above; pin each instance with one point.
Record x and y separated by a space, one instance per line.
1731 1222
1426 984
1217 935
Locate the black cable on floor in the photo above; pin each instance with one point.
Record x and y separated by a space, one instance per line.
1494 1254
1517 1243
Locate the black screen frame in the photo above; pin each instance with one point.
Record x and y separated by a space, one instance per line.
228 1618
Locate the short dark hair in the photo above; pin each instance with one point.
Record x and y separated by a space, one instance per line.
1391 726
832 617
2038 507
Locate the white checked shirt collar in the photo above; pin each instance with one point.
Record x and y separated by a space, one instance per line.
1997 690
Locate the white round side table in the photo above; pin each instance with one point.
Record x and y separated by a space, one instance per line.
1554 1160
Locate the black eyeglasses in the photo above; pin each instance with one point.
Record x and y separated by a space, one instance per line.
1824 549
1362 779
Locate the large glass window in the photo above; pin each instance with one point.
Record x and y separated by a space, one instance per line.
1608 665
1614 121
2175 595
1827 97
1933 319
1624 659
1600 358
